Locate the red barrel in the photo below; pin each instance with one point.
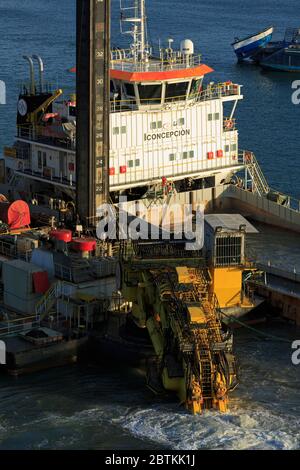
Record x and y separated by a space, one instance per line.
15 214
84 244
61 235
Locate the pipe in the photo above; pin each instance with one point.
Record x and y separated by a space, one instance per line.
41 71
32 80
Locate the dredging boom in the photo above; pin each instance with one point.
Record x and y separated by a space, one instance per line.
171 296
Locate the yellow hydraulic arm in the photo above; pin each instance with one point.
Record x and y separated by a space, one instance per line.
32 117
193 349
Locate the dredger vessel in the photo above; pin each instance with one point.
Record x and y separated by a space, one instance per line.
146 132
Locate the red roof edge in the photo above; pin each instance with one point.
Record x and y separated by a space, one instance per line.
199 71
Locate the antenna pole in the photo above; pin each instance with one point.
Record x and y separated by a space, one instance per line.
143 29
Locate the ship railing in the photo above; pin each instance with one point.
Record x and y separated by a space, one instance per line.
19 325
209 93
220 90
260 184
38 135
25 88
173 62
16 153
11 251
46 173
74 272
289 201
63 272
133 104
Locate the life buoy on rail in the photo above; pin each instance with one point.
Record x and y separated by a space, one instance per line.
248 157
229 124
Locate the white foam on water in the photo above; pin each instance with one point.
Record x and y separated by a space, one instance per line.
243 429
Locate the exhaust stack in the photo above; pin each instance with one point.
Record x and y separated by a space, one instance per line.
32 79
41 71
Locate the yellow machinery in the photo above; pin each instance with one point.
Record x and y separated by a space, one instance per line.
33 116
225 236
170 292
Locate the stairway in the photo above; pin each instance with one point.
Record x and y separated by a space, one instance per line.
260 184
48 301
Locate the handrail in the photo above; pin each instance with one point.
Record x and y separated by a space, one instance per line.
210 92
11 251
248 158
255 171
173 62
34 133
44 304
18 325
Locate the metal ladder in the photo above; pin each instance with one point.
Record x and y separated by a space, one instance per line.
260 184
206 366
44 306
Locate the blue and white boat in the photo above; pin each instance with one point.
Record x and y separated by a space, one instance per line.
248 47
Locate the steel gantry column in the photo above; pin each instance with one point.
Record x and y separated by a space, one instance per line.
93 101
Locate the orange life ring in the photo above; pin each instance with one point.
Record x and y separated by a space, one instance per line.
229 124
248 156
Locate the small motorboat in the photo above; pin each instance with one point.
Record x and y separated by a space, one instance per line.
248 47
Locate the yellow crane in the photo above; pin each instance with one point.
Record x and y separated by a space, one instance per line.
32 117
172 298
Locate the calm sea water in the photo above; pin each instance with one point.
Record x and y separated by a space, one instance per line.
94 408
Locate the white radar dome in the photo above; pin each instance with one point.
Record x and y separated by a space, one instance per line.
187 47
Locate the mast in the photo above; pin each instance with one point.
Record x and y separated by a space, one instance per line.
143 20
135 14
93 101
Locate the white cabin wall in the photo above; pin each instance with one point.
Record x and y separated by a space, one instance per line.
143 158
203 136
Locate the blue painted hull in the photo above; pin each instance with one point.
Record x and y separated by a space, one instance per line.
281 67
286 60
249 50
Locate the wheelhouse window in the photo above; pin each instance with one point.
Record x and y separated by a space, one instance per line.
150 94
176 91
129 89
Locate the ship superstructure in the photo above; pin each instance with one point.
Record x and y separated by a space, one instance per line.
165 123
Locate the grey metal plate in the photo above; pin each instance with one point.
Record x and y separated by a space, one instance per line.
230 222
